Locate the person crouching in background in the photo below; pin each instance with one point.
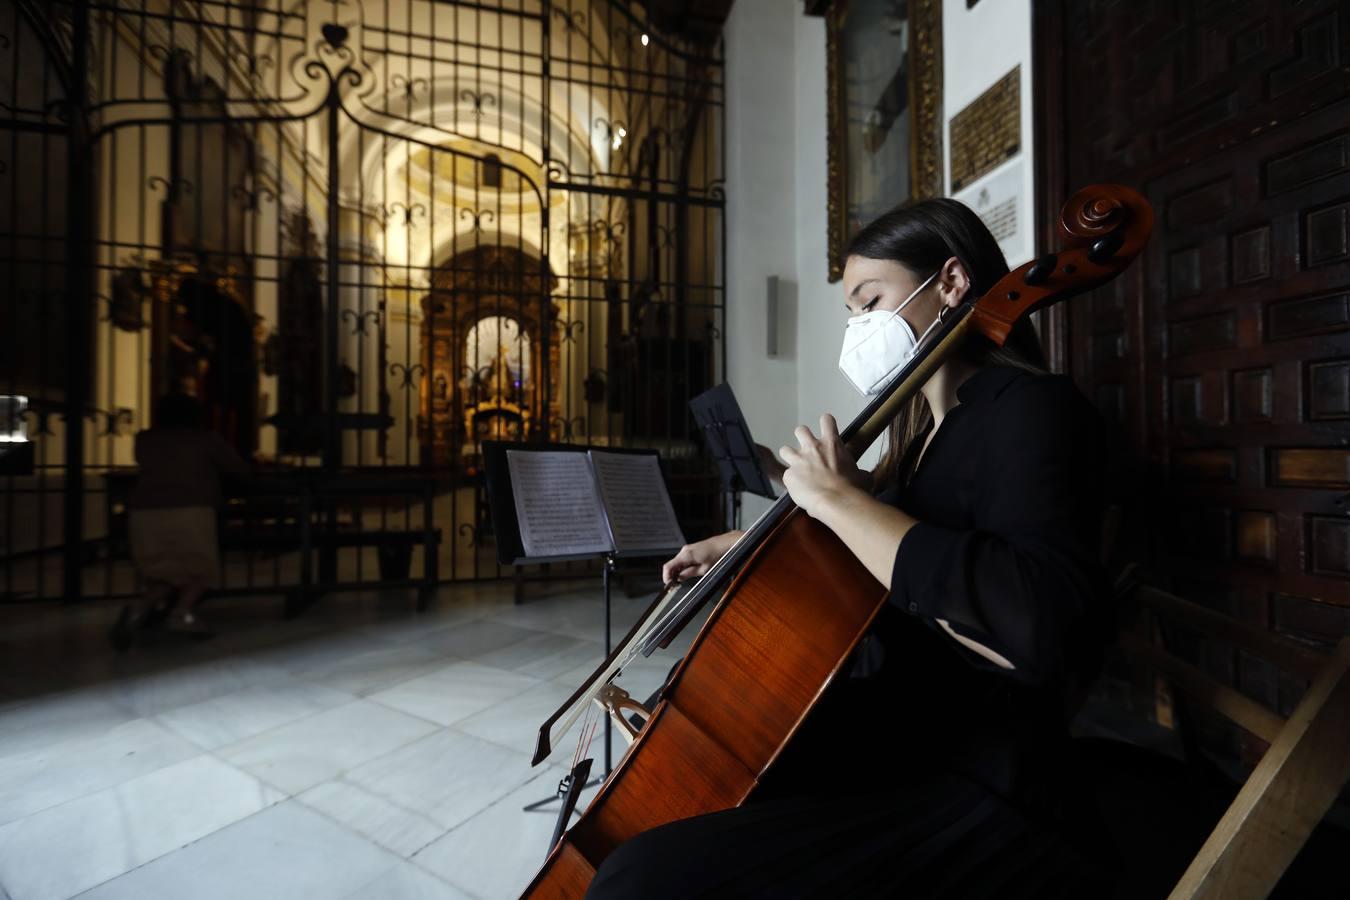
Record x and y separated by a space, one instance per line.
172 517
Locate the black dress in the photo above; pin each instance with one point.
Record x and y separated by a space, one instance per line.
931 771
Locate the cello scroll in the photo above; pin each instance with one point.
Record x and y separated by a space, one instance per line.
1103 227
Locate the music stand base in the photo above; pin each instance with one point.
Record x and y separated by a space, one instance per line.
540 804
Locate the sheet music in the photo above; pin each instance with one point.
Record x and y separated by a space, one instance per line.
556 504
635 497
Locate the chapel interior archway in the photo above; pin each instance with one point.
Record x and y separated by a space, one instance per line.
489 353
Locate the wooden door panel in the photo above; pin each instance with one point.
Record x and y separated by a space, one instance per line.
1223 357
1246 316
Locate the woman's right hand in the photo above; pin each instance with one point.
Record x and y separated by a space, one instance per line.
694 560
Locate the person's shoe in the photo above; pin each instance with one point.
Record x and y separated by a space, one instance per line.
190 624
121 635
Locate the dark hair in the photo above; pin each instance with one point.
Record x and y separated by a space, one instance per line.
178 410
921 237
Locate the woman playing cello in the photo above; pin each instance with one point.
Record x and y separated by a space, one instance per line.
941 766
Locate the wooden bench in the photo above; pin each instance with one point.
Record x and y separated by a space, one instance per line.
322 537
1297 779
311 513
393 546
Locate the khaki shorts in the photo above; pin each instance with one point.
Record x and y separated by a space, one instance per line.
175 546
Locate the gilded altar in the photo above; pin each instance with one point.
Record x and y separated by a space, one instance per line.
490 357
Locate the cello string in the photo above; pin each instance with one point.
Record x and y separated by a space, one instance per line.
590 733
576 753
565 722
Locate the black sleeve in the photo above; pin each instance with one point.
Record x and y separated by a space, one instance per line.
1026 580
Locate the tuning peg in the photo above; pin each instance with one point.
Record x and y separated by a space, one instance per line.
1104 248
1041 269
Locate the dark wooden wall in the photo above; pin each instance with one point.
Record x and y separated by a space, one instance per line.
1223 358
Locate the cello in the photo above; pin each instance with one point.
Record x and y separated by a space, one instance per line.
793 600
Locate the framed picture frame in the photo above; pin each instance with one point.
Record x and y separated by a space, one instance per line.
884 109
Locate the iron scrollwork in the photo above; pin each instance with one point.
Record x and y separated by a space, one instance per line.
279 100
334 59
335 36
408 87
409 213
170 186
569 329
407 375
557 173
113 420
573 19
253 63
478 217
613 130
611 232
248 197
476 375
41 416
478 101
359 320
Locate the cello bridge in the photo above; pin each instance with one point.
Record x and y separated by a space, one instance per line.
615 700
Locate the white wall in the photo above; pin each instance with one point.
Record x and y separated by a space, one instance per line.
821 387
761 209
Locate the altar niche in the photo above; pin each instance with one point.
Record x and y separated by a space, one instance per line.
490 354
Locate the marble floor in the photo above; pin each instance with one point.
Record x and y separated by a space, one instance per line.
362 751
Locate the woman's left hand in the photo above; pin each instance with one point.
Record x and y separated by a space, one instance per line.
820 468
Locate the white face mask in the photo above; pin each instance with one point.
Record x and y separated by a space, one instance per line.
878 343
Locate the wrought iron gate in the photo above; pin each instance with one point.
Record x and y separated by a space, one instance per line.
366 236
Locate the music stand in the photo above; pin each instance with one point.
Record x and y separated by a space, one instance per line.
511 551
724 429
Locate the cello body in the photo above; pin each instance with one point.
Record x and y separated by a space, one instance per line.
800 602
765 655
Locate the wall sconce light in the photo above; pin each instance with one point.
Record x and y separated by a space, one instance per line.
16 450
13 429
